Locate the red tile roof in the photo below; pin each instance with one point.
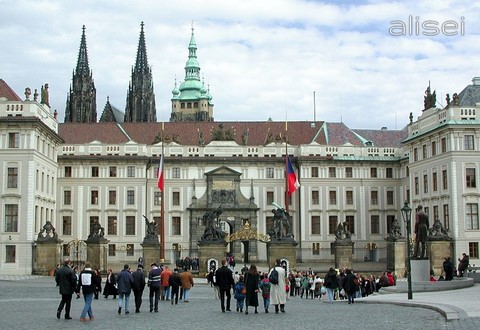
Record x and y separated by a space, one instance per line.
7 92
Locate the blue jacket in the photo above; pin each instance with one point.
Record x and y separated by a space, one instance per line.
125 282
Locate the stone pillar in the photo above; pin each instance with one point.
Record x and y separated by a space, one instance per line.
151 253
438 250
343 251
47 256
279 249
396 257
210 250
420 270
97 253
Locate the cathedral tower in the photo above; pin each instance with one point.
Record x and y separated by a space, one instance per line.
81 104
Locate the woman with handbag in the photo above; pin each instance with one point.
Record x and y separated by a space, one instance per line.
251 283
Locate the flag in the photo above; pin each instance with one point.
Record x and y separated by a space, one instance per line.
291 178
160 174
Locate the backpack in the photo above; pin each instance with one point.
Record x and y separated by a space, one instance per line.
273 277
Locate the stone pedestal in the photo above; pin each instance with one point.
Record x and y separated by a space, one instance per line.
396 257
97 253
437 251
420 270
343 251
210 250
285 250
151 253
47 256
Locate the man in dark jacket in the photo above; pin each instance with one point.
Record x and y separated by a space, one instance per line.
175 282
125 283
224 281
448 268
67 284
154 285
138 286
88 282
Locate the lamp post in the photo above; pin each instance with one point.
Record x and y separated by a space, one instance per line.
406 214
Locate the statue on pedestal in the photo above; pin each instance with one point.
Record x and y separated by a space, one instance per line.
151 233
211 220
47 232
342 233
96 231
282 225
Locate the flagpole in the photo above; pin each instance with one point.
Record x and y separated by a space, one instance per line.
162 207
286 163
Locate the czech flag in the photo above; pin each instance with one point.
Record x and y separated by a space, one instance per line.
291 178
160 174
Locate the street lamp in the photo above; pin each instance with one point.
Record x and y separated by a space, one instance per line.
406 214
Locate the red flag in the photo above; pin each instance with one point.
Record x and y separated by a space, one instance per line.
291 178
160 174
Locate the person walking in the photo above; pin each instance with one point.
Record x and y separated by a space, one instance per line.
187 283
138 286
239 292
164 281
125 283
66 280
331 284
264 286
87 282
175 282
251 283
350 285
110 287
278 295
224 281
154 285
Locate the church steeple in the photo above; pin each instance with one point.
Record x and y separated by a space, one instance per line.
81 104
191 101
140 97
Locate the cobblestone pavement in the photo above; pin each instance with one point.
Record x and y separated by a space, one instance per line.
31 303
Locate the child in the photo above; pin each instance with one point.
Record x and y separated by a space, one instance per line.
238 294
265 287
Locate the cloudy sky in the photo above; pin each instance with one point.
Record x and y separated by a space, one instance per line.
261 59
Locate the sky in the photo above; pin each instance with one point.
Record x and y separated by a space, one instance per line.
364 63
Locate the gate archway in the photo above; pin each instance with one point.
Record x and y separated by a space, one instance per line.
245 235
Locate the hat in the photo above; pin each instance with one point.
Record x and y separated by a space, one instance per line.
153 264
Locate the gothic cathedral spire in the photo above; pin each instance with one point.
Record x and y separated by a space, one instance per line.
140 97
81 104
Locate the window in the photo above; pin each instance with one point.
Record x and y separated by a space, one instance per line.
444 179
315 225
130 250
95 171
269 172
12 180
157 198
415 154
14 140
390 197
176 198
176 228
11 218
111 250
373 172
374 197
417 187
332 224
425 184
314 172
434 148
270 197
350 223
446 216
435 213
349 197
68 171
315 197
94 197
316 248
131 171
389 172
374 225
67 197
130 225
443 144
112 225
471 216
434 181
469 142
67 225
112 197
348 172
424 151
332 197
158 222
10 253
470 178
390 221
332 172
130 197
473 250
112 171
269 223
176 172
